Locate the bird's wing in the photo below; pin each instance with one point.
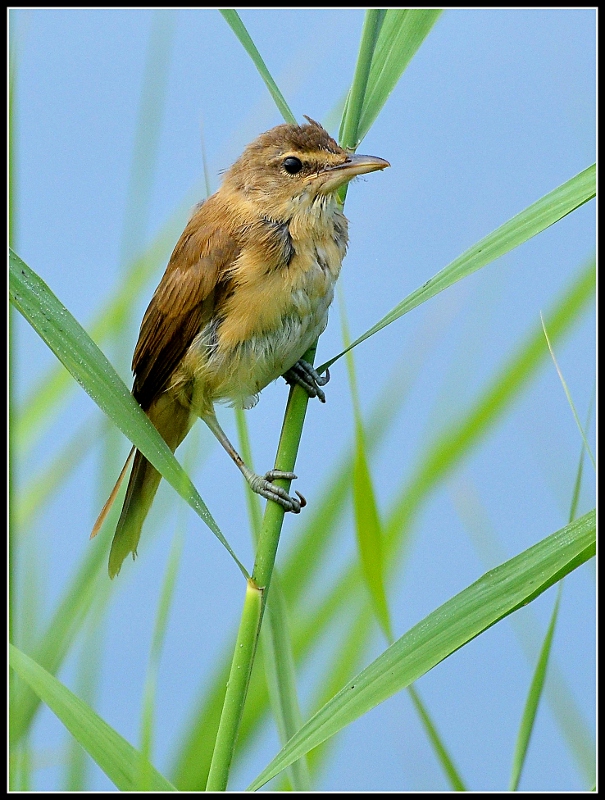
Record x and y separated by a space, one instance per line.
183 301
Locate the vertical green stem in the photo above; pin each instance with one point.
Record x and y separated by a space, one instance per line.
256 595
237 687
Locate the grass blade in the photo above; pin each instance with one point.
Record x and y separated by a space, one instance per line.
444 757
533 220
239 29
88 365
367 519
533 701
355 100
280 673
145 776
567 394
466 615
401 34
117 758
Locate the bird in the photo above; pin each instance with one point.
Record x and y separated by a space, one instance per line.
245 293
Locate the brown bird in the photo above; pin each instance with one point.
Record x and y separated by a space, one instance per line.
245 294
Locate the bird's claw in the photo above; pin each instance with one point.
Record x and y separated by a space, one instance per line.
263 485
305 375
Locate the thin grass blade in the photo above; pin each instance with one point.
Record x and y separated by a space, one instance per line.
367 519
280 674
144 778
275 640
239 29
575 499
533 701
567 394
466 615
445 759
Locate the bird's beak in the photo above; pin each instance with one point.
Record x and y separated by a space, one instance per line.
333 177
359 165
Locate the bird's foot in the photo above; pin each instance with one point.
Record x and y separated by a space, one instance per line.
263 485
306 376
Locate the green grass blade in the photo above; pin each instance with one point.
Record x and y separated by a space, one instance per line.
369 533
533 701
87 682
441 752
239 29
115 756
88 365
466 615
568 717
533 220
280 673
568 394
401 34
144 780
349 126
575 499
60 633
367 519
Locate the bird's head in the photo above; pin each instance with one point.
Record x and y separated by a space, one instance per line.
290 167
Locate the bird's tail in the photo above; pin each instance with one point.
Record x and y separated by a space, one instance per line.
173 421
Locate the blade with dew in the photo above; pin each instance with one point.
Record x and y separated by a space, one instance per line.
118 759
89 366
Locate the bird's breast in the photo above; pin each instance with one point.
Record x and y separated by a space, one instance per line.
275 310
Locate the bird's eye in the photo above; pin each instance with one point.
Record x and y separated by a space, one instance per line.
292 165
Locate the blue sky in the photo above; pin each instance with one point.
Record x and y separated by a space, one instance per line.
495 110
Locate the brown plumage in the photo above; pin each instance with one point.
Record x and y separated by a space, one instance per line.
246 292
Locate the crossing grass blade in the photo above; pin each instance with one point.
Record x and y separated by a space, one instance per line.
239 29
533 701
466 615
89 366
115 756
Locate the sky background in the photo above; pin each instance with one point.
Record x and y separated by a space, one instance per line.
495 110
